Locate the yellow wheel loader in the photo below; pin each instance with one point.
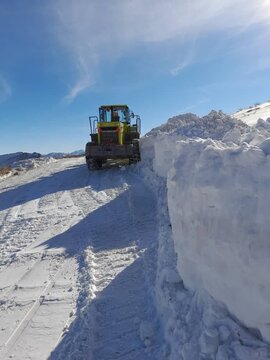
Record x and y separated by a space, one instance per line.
113 136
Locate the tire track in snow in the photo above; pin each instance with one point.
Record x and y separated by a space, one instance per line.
11 214
116 300
126 290
19 222
120 290
59 265
30 309
63 268
14 278
17 229
20 328
14 338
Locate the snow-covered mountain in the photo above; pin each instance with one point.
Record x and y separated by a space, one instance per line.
59 155
253 113
14 162
77 153
56 155
13 158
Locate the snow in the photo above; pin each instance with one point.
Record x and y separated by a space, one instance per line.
216 191
166 259
215 125
224 193
20 162
251 115
76 265
265 146
10 159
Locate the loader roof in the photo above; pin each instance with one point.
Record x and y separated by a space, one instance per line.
114 105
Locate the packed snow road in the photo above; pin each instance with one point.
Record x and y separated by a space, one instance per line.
77 265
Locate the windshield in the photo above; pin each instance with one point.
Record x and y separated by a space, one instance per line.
114 114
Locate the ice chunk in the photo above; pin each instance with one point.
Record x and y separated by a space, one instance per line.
265 146
147 331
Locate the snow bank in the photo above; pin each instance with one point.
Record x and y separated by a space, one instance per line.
20 162
218 201
215 125
29 164
21 166
217 173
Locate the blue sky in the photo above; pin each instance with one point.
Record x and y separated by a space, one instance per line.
61 59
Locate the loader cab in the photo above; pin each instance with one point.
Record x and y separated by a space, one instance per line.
114 113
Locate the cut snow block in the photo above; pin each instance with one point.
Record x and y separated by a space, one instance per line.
218 199
265 146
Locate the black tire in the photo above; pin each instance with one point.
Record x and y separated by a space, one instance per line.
94 164
98 164
136 152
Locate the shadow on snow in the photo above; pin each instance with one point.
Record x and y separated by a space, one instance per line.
72 178
109 325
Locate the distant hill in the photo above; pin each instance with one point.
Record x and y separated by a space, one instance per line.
60 155
18 159
13 158
77 152
56 155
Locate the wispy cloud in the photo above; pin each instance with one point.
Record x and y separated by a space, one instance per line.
5 89
182 65
83 82
97 31
187 55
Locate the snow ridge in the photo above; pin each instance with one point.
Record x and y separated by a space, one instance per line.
215 125
198 172
251 115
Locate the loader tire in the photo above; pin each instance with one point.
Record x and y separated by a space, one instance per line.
136 152
94 164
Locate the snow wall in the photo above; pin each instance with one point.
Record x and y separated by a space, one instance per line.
218 200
